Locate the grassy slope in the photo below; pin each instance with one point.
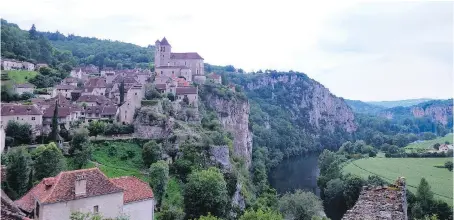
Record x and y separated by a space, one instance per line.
428 144
20 76
413 169
114 166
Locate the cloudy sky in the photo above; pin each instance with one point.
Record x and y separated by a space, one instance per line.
358 49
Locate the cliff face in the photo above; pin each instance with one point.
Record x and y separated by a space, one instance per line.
439 111
234 117
307 98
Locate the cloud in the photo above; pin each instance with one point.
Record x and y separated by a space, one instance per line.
359 49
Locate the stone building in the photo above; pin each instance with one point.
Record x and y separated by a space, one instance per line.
26 87
188 65
29 114
88 190
380 202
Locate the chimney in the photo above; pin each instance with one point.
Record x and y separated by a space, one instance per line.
81 185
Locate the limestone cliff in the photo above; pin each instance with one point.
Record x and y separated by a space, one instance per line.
439 111
233 114
308 101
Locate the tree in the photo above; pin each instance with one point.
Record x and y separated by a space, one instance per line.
18 170
300 205
261 214
328 163
54 134
151 152
33 34
353 185
80 148
159 177
424 194
205 192
448 165
334 197
21 133
48 161
171 96
96 127
122 91
436 146
208 217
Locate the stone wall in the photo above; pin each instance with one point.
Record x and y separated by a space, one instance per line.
380 202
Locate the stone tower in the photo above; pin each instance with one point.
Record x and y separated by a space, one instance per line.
163 51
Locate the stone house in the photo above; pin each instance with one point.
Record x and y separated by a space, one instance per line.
26 87
133 100
93 100
39 65
28 66
215 78
66 115
10 64
444 148
88 190
190 92
95 86
65 90
102 112
71 81
29 114
189 65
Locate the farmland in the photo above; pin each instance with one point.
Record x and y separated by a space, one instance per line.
429 143
413 169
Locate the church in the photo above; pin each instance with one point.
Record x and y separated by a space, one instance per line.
186 65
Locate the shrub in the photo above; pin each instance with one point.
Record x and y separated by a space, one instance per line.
149 102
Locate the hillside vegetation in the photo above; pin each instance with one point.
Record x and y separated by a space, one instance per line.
413 169
20 76
403 103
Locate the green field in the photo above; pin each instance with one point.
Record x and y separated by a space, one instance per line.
117 162
429 144
413 169
20 76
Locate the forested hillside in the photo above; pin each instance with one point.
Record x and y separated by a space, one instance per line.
404 103
64 52
363 107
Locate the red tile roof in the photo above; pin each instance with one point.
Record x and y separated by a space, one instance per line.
183 56
9 110
70 87
96 82
160 86
186 90
93 98
61 188
134 189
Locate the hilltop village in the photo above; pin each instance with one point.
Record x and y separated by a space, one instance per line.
89 95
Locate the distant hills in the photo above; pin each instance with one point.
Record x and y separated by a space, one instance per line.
403 103
364 107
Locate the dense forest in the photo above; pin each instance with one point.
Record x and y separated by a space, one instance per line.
64 52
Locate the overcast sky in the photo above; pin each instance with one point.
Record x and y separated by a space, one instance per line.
357 49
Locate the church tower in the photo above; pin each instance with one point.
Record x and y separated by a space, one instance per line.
163 51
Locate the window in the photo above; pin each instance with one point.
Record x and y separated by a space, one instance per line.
33 118
37 209
17 118
135 93
95 209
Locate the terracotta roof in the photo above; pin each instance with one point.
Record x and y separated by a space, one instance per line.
61 188
109 110
96 82
186 90
214 76
70 80
183 56
9 110
62 111
92 98
134 189
10 211
65 87
25 85
160 86
164 42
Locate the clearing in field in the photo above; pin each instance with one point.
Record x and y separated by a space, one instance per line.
430 143
413 169
20 76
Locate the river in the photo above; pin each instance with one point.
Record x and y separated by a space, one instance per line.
293 173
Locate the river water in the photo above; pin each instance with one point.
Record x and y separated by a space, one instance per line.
293 173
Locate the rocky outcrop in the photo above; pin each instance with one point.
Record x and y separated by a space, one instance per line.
308 98
220 155
380 202
234 117
439 114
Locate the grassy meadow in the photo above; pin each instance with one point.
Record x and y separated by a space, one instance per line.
429 143
20 76
413 169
